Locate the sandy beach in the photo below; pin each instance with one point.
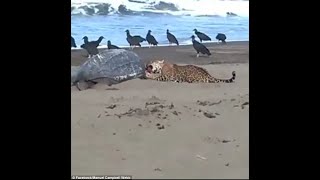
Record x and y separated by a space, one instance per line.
150 129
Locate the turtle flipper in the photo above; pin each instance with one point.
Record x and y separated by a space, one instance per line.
83 85
106 80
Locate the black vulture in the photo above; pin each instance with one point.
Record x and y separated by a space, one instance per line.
91 46
221 37
73 42
134 40
202 36
96 43
171 38
151 40
111 46
85 40
200 48
91 49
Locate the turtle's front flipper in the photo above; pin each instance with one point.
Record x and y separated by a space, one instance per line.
83 85
105 80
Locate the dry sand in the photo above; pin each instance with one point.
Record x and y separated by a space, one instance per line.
151 129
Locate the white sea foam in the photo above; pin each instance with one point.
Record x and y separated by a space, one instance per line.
185 7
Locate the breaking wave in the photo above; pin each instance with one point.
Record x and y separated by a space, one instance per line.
161 7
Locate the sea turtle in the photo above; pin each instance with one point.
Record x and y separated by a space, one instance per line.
109 67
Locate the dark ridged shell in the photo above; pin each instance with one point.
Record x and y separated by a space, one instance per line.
116 64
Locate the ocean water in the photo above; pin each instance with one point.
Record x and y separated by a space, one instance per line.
94 18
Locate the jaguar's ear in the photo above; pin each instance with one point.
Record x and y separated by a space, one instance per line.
161 61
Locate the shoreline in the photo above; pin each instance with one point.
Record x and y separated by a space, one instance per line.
232 52
104 46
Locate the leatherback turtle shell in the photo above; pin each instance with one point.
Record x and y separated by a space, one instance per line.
116 65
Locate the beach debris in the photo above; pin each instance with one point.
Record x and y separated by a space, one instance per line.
215 103
216 140
244 104
161 127
139 112
114 133
175 113
217 114
171 106
111 106
112 89
157 169
151 103
207 103
200 157
99 116
227 164
225 141
209 115
154 109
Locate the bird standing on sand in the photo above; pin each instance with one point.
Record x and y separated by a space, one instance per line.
96 43
134 40
200 48
73 42
171 38
91 46
91 49
202 36
221 37
111 46
151 40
